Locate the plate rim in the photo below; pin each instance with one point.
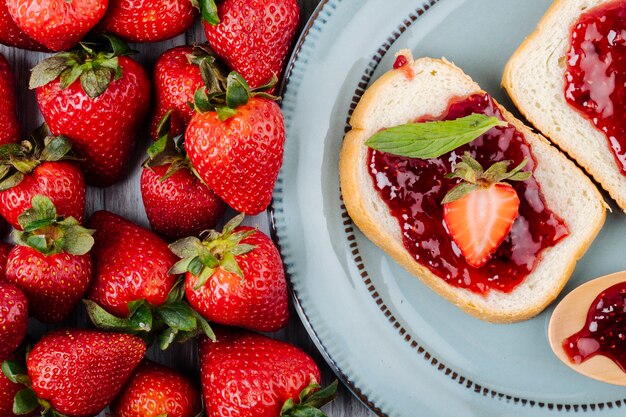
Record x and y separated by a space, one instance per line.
304 319
315 18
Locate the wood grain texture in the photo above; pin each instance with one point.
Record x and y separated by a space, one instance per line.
124 198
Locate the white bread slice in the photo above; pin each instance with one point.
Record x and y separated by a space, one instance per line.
395 99
534 77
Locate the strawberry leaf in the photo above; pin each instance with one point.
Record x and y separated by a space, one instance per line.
167 337
15 371
178 316
205 327
177 293
48 70
70 75
187 247
208 10
96 81
139 319
432 139
56 148
237 90
11 181
459 192
50 234
310 400
25 402
201 100
224 113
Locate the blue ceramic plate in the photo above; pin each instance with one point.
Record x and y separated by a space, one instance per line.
402 349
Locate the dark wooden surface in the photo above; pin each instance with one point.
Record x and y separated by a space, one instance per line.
124 199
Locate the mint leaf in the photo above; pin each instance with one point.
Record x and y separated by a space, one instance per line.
432 139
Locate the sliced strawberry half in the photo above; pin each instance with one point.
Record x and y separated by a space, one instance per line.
480 211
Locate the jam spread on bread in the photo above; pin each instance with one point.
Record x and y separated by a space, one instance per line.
414 190
604 332
595 78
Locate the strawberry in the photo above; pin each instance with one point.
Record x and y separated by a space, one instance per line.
75 372
5 248
8 391
132 289
36 167
9 125
155 390
12 35
177 203
246 374
177 77
51 261
235 142
57 24
149 20
235 277
253 36
480 211
13 319
131 263
98 100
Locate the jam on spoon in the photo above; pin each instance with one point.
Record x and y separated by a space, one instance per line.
595 77
604 332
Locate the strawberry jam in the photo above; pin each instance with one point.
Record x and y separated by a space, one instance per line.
604 332
414 188
595 78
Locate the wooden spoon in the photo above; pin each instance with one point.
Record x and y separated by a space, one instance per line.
570 316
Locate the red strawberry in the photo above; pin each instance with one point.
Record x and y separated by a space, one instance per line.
254 36
235 278
237 148
9 125
100 112
480 211
149 20
51 262
57 24
246 374
155 390
131 263
12 35
76 372
133 290
177 203
35 167
13 320
5 248
177 77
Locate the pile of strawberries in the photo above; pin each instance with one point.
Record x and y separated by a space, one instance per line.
218 142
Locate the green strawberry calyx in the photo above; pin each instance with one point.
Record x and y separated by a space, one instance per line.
173 321
310 400
473 176
208 9
218 250
26 400
168 150
225 95
20 159
50 234
94 64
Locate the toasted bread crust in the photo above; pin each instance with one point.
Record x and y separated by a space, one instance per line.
354 191
600 175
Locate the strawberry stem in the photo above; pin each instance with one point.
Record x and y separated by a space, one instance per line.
473 176
18 160
310 400
50 234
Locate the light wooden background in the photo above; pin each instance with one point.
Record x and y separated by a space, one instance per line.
124 198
